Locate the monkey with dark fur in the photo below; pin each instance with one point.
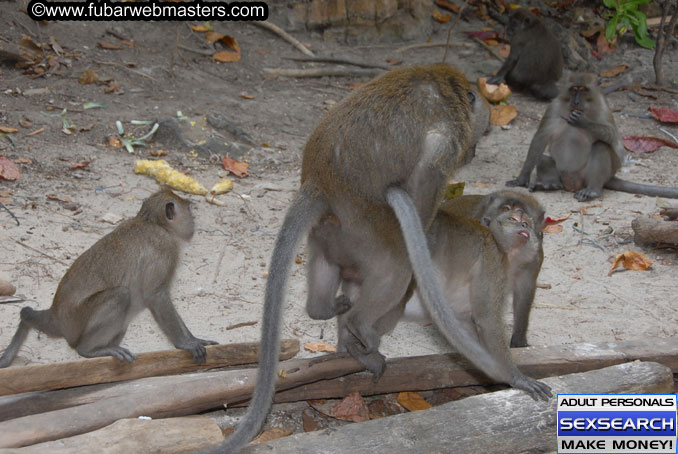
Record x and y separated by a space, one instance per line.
126 271
535 62
379 163
585 147
483 247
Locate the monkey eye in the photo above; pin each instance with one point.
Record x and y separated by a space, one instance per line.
170 210
506 208
471 96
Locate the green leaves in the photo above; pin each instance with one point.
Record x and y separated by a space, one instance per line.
625 16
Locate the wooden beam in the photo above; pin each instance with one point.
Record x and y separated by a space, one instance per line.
493 423
202 392
21 379
168 436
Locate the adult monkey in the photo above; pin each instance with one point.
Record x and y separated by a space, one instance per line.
378 162
535 61
585 147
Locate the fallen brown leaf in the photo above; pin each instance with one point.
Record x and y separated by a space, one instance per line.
36 132
272 434
502 115
644 144
88 77
448 6
552 228
308 422
8 129
238 168
614 72
226 56
384 406
79 165
109 46
8 170
25 123
112 87
413 401
316 347
23 161
352 408
664 114
604 46
443 18
199 28
631 260
244 95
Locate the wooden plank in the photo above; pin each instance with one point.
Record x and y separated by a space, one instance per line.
443 371
204 391
21 379
167 436
402 374
493 423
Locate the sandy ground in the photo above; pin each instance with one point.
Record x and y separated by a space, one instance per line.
221 278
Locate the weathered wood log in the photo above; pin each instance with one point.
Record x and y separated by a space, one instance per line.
39 377
167 436
443 371
500 422
202 392
402 374
648 231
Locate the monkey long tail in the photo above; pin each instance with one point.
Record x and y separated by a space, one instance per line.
617 184
305 211
16 343
430 290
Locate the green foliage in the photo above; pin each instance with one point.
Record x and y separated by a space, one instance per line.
625 16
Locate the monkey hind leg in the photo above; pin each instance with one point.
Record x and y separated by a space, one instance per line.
598 171
323 279
545 92
548 178
106 314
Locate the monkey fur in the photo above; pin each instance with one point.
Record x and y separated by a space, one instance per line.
126 271
535 61
585 147
378 162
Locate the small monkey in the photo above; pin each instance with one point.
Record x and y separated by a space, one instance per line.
535 61
585 147
524 267
378 163
126 271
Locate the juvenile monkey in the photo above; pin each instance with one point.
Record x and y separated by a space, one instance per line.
378 163
585 147
535 62
126 271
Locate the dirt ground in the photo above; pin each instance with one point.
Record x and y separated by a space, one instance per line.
222 274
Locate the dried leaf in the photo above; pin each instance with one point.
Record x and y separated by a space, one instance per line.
484 35
200 28
79 165
443 18
238 168
112 87
413 401
88 77
550 220
664 114
317 347
109 46
502 115
352 408
213 37
392 61
384 406
614 72
308 422
36 132
8 170
23 161
491 92
631 260
552 228
25 123
245 95
448 6
272 434
8 129
226 56
604 46
644 144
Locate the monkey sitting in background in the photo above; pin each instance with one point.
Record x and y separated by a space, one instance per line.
585 147
535 61
126 271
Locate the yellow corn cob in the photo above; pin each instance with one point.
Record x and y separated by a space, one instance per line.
222 186
165 174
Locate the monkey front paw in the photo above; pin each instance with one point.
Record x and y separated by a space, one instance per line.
122 354
575 117
586 194
196 347
536 389
518 342
520 181
373 361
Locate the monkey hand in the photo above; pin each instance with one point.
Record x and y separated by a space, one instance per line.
196 347
576 118
586 194
523 181
536 389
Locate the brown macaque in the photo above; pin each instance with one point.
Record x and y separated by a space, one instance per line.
480 121
126 271
524 265
378 163
585 147
535 62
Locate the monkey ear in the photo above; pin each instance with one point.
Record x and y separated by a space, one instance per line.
471 96
170 210
486 221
